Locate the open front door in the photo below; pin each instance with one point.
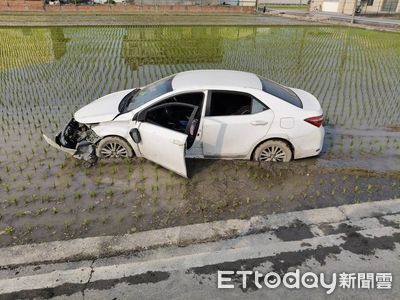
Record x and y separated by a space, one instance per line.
164 132
164 147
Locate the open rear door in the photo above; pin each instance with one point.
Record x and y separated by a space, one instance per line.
164 132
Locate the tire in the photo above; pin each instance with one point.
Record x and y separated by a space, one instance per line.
273 150
113 147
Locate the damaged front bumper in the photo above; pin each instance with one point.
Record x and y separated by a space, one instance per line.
57 146
76 139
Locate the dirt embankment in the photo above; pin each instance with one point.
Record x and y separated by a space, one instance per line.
38 6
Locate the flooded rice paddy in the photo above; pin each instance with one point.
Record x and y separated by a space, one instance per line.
46 74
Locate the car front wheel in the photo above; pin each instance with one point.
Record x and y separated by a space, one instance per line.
113 147
273 150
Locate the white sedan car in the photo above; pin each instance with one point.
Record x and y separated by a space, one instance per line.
198 114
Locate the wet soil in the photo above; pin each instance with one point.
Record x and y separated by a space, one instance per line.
121 197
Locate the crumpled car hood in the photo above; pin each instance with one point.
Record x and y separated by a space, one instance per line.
101 110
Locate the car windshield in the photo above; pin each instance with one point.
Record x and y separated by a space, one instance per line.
138 97
280 91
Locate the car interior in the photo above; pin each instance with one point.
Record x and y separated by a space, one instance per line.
226 103
176 117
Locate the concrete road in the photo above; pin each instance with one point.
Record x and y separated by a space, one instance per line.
319 16
360 19
358 244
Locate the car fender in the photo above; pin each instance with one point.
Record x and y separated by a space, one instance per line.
120 129
271 136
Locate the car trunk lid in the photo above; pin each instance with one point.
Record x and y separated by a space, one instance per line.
310 102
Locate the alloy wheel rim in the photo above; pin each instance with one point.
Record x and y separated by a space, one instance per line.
114 150
272 153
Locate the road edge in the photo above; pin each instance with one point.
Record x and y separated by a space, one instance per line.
107 246
330 21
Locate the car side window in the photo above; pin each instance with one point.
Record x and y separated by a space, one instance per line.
174 112
257 106
172 116
193 98
226 103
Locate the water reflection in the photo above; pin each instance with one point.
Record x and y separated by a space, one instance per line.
23 47
177 45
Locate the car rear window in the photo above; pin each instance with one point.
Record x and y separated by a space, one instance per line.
280 91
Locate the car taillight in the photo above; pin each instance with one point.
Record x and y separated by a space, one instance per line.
316 121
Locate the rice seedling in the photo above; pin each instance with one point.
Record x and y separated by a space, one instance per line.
39 211
85 222
12 201
5 187
9 230
28 229
109 193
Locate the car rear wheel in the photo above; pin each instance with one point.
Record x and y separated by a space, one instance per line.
273 150
113 147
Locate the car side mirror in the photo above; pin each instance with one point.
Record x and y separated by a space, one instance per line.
135 135
141 116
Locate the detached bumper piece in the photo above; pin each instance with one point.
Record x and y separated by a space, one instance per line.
77 140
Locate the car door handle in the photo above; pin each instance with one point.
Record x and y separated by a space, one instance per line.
259 122
177 142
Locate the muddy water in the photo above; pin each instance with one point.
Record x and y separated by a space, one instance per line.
46 74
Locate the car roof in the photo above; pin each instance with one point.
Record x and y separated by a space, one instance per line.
217 79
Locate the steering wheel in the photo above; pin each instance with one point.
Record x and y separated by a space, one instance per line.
166 107
167 111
